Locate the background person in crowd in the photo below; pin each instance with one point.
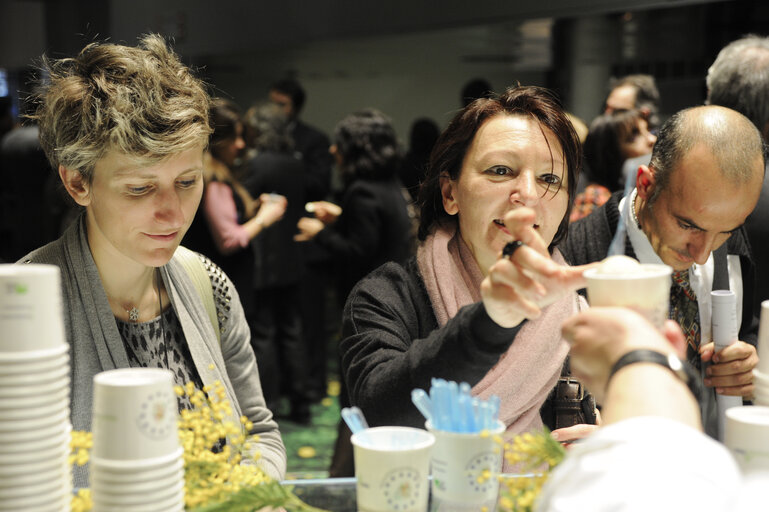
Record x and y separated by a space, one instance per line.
613 138
276 326
371 227
739 79
501 175
228 218
34 209
650 453
424 132
311 146
126 130
635 92
687 211
474 89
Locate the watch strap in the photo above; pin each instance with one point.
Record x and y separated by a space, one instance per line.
681 369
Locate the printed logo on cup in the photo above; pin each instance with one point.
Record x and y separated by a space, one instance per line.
157 415
484 464
401 488
16 288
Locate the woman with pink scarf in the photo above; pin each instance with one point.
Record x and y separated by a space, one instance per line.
485 297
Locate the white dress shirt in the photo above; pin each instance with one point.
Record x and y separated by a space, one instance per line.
650 463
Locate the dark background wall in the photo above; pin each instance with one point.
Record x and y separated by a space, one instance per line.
406 57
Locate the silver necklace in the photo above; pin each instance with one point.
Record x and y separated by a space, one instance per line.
133 313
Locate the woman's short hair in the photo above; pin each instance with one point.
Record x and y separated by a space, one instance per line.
450 150
368 146
603 146
139 101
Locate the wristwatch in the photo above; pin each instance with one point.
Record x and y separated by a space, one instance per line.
681 369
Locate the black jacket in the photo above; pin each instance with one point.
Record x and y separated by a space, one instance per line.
278 258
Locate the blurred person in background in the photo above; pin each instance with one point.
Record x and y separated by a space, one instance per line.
635 92
739 79
276 326
371 227
613 139
424 132
318 305
228 217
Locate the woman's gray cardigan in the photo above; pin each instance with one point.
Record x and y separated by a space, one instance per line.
96 345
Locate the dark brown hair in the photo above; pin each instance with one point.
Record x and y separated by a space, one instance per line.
603 146
450 149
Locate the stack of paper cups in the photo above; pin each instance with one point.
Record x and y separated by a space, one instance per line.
34 391
747 437
761 372
136 461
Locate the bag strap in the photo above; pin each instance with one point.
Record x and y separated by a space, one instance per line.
199 276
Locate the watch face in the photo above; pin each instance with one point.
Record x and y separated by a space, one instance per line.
402 488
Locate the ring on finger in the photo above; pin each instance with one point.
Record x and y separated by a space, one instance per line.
510 248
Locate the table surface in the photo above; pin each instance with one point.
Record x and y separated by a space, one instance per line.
338 494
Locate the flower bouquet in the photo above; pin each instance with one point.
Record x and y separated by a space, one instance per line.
215 479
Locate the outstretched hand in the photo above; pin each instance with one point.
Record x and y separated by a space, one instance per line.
519 286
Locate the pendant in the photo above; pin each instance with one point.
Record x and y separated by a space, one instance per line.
133 314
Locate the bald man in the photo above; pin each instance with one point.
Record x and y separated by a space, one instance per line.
688 211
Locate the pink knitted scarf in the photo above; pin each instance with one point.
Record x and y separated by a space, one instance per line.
525 374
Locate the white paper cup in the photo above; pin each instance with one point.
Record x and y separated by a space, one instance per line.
36 435
54 399
30 308
60 417
112 472
25 479
134 414
23 379
465 468
131 467
35 366
747 437
35 390
123 487
761 396
138 498
391 467
32 356
647 292
761 378
40 413
21 444
57 451
35 466
170 504
38 501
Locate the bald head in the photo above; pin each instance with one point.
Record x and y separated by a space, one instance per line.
733 141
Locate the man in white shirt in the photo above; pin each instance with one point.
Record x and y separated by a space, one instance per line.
692 199
651 453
